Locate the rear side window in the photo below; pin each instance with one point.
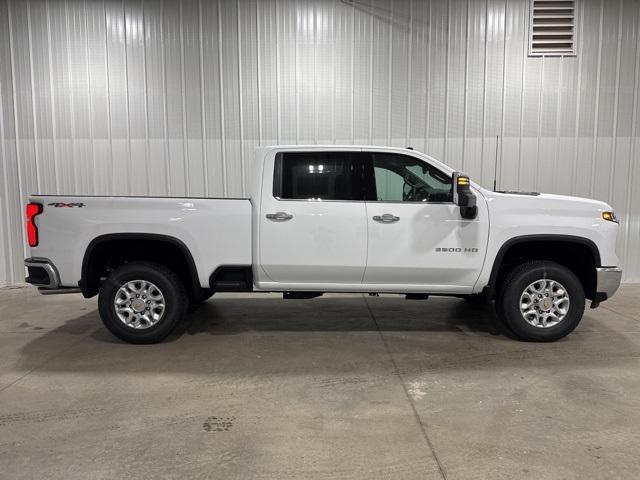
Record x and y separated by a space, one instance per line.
318 176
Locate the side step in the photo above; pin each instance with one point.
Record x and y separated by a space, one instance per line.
416 296
58 291
300 295
229 285
232 278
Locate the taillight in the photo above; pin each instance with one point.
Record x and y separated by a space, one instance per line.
33 210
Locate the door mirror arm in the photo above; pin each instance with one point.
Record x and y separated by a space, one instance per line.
463 196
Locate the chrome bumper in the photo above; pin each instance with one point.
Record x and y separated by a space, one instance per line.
608 281
44 275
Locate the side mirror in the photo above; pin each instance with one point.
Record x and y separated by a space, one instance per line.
463 196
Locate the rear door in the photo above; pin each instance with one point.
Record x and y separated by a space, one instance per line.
313 226
416 234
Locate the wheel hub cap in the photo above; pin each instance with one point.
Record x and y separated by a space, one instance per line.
139 304
544 303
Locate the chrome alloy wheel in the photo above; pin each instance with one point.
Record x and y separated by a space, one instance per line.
139 304
544 303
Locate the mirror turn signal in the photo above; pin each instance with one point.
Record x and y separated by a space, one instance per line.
610 217
463 196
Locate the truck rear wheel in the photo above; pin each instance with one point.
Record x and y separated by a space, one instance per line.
141 302
541 301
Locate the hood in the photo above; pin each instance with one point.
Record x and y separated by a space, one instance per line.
547 202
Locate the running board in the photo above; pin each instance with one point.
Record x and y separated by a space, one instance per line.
300 295
58 291
416 296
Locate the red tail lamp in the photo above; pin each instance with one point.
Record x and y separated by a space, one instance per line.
33 210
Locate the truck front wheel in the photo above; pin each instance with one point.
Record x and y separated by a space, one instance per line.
541 301
141 302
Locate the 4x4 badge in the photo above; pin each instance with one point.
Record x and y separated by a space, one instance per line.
70 205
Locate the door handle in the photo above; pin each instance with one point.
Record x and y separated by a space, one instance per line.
279 216
386 218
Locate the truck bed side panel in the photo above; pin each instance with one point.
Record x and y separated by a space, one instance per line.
216 231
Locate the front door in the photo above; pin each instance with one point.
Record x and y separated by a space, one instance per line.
313 226
416 234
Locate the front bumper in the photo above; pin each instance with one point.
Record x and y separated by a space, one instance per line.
42 273
607 282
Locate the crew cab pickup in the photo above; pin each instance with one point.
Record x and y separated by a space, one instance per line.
329 219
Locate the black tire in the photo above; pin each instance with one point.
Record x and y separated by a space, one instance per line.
514 284
172 288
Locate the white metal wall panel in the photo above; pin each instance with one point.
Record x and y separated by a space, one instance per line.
362 75
169 97
456 83
625 192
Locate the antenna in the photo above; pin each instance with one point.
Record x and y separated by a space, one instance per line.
495 167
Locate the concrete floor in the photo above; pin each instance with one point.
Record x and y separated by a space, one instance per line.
340 387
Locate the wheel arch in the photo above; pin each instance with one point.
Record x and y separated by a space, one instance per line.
538 241
90 287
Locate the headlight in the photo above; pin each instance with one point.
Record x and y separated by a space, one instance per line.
610 217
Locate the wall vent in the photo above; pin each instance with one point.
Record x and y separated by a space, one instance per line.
552 29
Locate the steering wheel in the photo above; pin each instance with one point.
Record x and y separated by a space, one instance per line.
416 191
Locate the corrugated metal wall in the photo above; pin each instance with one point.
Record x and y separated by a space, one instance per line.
164 97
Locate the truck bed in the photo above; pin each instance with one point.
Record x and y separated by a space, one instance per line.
215 231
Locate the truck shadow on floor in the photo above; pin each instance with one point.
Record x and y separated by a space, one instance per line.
239 336
228 316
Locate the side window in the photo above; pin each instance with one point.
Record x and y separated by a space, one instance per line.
399 178
318 176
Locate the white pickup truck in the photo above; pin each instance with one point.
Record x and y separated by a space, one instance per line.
329 219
